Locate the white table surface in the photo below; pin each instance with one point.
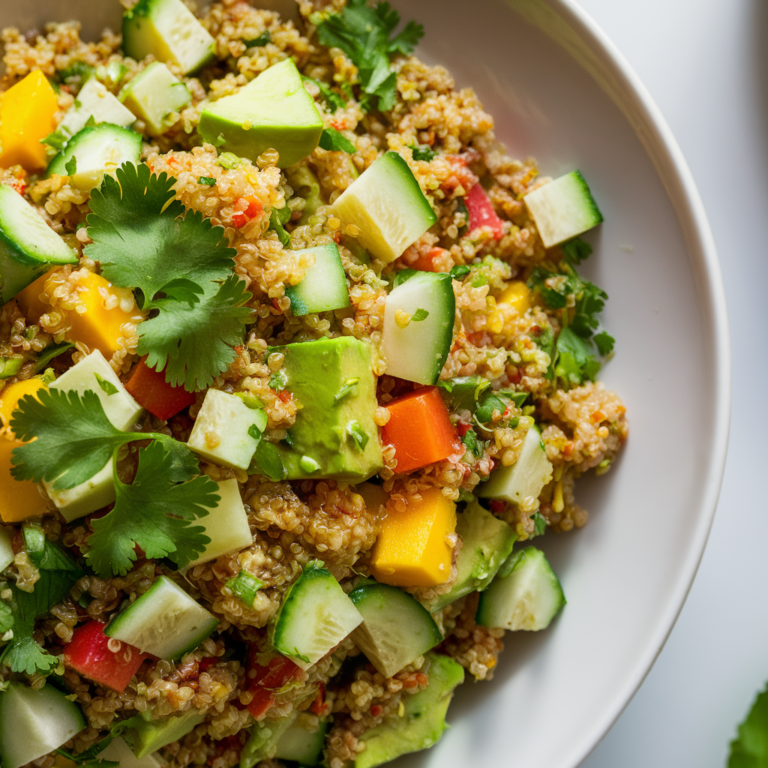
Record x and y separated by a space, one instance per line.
705 62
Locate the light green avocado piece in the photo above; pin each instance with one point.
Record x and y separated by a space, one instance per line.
274 111
486 543
423 722
262 743
147 736
334 434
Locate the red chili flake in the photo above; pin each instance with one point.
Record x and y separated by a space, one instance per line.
206 663
376 710
497 506
462 429
284 396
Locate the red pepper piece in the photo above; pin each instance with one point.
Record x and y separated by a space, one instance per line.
151 391
481 212
265 681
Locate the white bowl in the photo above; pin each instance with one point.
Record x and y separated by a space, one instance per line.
560 92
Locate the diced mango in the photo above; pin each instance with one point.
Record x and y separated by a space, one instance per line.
10 396
31 300
19 499
27 114
413 548
517 295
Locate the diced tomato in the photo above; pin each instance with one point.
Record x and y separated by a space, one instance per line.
251 208
89 654
462 429
319 706
497 506
481 213
426 261
151 391
265 681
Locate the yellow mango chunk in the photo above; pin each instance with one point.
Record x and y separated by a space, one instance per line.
19 499
27 114
412 549
31 300
10 396
517 295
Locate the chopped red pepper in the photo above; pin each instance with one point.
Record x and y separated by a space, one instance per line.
89 654
250 211
151 391
481 213
265 681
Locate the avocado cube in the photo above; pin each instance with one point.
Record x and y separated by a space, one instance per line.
224 430
93 494
335 435
149 735
274 111
153 95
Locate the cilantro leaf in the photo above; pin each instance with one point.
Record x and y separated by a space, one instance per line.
575 361
260 41
177 263
266 461
335 141
331 98
473 445
154 512
750 748
423 152
604 343
244 587
576 250
464 391
460 271
539 524
363 34
51 351
194 344
500 401
419 315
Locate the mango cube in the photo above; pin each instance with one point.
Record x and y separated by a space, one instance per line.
517 295
19 499
31 300
27 115
10 396
413 548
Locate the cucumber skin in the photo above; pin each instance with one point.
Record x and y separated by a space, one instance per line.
331 263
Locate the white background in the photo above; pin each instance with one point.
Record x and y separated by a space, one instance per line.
705 62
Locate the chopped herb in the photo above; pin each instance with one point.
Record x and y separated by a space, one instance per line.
576 250
229 160
244 587
464 391
71 166
349 387
279 380
277 219
208 181
51 351
750 747
10 366
422 152
76 71
539 524
461 271
331 98
479 281
359 436
254 432
335 141
266 461
604 343
363 34
260 41
419 315
499 401
106 386
474 446
308 464
403 276
575 362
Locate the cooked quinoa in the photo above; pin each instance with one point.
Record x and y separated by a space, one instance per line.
448 142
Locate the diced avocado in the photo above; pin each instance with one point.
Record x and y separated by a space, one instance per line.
274 111
227 430
169 31
262 744
153 95
423 721
28 246
226 525
147 736
6 548
93 104
486 543
93 494
334 434
299 745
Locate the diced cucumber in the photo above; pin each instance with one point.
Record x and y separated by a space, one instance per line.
226 525
227 430
93 104
274 111
94 151
563 209
149 735
396 628
299 745
263 740
6 548
418 327
528 597
526 477
35 722
486 544
93 494
324 285
94 373
387 206
154 95
169 31
119 752
315 616
28 246
165 621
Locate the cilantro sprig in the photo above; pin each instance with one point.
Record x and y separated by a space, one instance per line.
180 270
363 33
750 748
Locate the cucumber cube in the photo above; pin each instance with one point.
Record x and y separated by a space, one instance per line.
95 373
94 101
165 621
119 752
387 206
226 525
563 209
28 246
526 477
34 722
93 494
274 111
324 285
6 548
298 745
169 31
155 94
224 430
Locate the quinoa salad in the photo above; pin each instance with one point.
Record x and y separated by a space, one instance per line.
297 376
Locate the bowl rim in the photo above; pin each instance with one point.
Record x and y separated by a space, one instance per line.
600 55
